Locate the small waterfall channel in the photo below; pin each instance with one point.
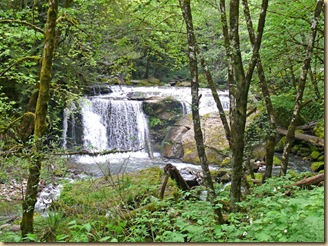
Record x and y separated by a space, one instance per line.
113 121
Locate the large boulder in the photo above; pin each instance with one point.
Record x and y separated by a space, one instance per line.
162 113
180 140
168 109
172 147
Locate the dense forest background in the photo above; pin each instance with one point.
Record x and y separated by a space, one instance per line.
144 42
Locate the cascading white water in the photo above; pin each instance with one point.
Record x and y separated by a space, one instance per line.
182 94
114 124
112 121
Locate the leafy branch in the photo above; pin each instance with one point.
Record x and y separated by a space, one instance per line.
20 60
25 23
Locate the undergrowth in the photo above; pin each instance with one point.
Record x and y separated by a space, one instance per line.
127 209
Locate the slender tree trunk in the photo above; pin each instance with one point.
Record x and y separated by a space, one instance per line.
192 51
301 86
270 144
40 120
217 100
239 83
314 82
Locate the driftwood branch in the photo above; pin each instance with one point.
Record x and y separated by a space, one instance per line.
163 186
304 137
176 176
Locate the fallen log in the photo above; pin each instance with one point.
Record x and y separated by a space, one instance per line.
304 137
314 180
94 153
81 152
307 126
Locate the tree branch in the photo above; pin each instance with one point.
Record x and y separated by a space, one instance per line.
27 58
24 23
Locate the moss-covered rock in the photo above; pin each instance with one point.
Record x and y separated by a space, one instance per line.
184 84
317 166
214 139
162 113
315 155
276 161
321 157
280 145
319 129
258 153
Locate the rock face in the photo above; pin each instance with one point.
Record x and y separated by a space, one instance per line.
172 147
162 113
180 143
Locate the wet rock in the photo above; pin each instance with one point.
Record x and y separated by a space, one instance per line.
192 178
223 176
97 90
140 96
172 143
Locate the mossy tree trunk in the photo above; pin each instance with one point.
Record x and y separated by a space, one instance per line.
290 136
40 119
239 82
192 51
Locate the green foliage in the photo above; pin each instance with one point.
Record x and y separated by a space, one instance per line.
257 131
154 121
93 211
319 129
273 216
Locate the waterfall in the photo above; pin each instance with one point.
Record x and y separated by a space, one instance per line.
111 121
114 124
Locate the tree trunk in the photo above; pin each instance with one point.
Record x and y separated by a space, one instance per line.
176 176
301 86
217 100
239 83
192 51
270 144
40 120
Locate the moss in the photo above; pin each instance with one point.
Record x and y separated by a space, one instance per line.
258 176
226 162
292 173
319 129
314 155
317 166
276 161
295 149
280 145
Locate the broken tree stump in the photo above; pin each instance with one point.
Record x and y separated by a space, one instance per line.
172 172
